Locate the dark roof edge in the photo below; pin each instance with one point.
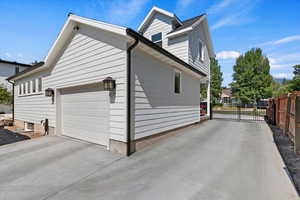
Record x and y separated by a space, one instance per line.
26 70
15 63
162 51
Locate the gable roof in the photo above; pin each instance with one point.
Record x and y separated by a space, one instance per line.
157 10
188 23
15 63
72 25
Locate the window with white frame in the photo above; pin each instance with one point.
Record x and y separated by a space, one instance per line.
177 82
24 88
40 86
201 51
157 39
33 83
28 126
28 87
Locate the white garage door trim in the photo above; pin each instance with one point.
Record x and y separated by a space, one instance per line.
85 113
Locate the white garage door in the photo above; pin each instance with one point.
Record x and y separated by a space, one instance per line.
85 114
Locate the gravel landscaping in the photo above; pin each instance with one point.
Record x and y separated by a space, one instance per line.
286 149
7 137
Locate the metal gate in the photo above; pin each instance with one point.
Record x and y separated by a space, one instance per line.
239 112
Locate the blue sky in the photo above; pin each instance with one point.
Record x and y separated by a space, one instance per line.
28 28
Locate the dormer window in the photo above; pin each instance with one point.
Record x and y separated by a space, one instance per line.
157 39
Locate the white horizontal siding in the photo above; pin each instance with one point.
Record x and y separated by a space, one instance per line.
159 23
179 47
156 107
90 56
194 57
34 108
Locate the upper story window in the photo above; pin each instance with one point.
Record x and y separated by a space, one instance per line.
157 39
201 51
177 82
17 70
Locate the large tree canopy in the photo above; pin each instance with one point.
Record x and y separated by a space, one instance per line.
251 78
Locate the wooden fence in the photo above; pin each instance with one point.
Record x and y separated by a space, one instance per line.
284 112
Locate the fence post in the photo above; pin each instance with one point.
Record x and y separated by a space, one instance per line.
297 127
288 109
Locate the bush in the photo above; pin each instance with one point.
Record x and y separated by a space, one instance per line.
5 95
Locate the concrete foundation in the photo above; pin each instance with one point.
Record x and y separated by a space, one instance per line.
19 123
37 128
119 146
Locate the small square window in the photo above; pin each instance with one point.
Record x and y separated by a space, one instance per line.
28 126
157 39
177 82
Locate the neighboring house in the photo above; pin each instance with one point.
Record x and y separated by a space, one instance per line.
113 86
9 68
226 96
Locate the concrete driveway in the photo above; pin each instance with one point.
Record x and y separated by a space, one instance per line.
215 160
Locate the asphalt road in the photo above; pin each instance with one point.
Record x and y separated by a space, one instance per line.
215 160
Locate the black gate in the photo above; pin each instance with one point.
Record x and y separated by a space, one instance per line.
239 112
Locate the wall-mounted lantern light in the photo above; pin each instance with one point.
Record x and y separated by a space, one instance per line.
109 84
49 92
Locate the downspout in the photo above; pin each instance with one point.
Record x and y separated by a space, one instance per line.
128 136
13 100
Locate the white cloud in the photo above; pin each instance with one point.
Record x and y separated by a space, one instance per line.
230 20
20 55
281 41
238 12
284 61
123 12
228 55
283 75
219 6
8 55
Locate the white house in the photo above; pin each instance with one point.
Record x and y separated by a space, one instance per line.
154 78
9 68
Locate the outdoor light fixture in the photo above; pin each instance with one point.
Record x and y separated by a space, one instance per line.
109 84
49 92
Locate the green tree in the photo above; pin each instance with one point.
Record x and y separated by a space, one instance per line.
279 89
5 95
251 77
295 83
216 80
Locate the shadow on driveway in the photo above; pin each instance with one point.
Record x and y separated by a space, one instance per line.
7 137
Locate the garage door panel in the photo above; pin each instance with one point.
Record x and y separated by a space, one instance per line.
85 114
